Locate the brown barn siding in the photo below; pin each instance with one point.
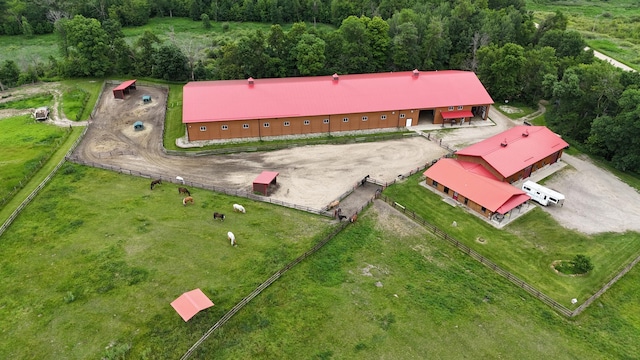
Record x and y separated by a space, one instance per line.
470 204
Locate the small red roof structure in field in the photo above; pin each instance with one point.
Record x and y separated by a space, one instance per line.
190 303
262 182
121 90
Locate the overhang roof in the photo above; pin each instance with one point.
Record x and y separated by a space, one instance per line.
208 101
469 181
124 85
516 149
266 177
456 114
190 303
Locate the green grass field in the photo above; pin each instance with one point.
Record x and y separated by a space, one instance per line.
529 245
106 256
30 102
73 102
25 143
91 87
98 257
608 26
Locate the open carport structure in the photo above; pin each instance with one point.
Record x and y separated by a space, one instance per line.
121 90
262 182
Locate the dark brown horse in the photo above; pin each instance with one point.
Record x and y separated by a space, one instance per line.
217 215
155 182
182 190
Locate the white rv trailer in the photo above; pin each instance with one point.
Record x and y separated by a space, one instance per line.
542 195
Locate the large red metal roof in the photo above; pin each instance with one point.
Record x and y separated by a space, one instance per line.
266 177
479 186
516 148
225 100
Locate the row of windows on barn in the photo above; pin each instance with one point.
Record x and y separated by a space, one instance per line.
306 122
446 191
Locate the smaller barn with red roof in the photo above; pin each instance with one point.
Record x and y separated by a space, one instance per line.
472 185
516 153
121 90
481 174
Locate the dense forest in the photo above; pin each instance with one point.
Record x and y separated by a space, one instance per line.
591 103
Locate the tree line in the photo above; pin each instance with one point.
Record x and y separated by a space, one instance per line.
591 102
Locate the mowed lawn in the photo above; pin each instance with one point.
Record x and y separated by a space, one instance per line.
528 246
385 289
24 143
91 266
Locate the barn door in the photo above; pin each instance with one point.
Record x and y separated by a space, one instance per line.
409 121
527 171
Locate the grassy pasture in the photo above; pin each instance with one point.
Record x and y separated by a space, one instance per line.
434 303
73 87
529 245
30 102
73 102
24 143
95 260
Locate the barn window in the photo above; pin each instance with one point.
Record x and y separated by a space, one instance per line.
466 201
383 117
460 107
450 108
402 116
225 127
325 121
446 190
307 122
345 119
245 126
484 209
203 128
286 123
435 183
365 118
265 124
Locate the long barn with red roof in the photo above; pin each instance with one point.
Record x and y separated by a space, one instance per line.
262 108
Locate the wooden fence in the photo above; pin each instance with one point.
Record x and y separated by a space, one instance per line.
42 184
507 275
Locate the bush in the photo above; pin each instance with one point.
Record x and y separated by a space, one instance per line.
582 264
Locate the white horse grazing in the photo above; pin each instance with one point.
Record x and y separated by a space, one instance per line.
239 208
179 178
232 238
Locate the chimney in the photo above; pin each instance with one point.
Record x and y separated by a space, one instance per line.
525 133
250 81
504 143
335 77
416 73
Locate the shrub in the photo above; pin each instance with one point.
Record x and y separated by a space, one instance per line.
582 264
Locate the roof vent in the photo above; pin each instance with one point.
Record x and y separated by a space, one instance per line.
525 133
504 143
250 81
335 77
416 73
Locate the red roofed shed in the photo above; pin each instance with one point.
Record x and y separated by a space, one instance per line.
190 303
121 90
515 153
262 182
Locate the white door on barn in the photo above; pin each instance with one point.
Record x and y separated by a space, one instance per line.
409 122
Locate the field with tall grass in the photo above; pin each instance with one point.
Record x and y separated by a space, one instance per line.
25 144
610 27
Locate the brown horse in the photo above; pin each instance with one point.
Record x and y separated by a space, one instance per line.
186 200
182 190
155 182
217 215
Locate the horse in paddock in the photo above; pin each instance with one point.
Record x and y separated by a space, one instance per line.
342 217
334 204
239 208
354 218
364 180
217 215
182 190
155 182
186 200
232 238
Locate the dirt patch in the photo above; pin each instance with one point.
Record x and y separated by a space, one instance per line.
510 109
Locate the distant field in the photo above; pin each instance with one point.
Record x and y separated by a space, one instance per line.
610 27
188 34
